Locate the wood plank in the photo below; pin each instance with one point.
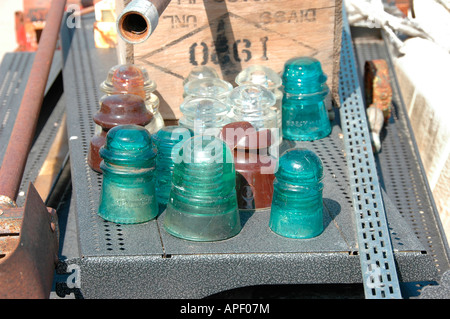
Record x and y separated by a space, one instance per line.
53 162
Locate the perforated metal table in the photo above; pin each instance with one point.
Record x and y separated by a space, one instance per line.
143 261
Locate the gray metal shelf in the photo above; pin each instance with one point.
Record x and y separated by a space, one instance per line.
142 261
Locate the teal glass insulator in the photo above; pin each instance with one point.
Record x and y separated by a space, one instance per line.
128 165
168 142
304 110
297 204
203 202
203 115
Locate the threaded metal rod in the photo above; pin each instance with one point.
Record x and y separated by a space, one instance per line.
139 19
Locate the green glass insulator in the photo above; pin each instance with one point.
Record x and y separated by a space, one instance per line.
128 165
168 142
203 203
297 206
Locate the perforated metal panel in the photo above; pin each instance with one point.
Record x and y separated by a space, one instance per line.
377 259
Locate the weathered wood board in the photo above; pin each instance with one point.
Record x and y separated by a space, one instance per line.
231 35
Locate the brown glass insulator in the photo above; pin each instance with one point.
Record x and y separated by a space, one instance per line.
116 110
254 166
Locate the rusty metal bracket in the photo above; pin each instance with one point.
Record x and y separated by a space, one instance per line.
378 88
28 249
378 94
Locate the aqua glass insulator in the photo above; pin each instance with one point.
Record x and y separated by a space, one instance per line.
203 115
265 76
304 110
168 142
128 189
208 87
201 72
132 79
297 204
254 104
203 203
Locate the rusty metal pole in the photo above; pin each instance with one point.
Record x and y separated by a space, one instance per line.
13 166
139 19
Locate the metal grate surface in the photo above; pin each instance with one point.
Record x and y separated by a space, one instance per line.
14 72
376 255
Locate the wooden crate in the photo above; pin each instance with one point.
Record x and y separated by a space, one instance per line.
231 35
